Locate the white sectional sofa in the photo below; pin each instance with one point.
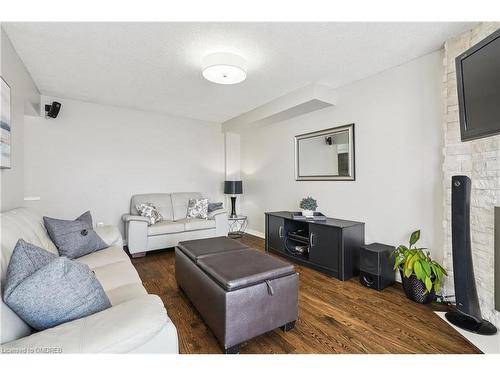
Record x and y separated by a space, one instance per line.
174 227
137 322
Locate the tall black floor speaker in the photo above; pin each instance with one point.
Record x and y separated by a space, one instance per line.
467 313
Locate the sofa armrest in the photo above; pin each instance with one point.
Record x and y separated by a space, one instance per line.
110 234
213 214
136 233
127 218
119 329
221 222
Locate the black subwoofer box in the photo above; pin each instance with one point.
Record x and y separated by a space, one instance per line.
376 264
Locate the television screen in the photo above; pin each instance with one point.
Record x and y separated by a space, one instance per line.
478 80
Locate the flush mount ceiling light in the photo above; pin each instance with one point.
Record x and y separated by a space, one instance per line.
224 68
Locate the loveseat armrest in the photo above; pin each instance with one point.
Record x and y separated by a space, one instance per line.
110 234
136 233
213 214
221 222
127 218
119 329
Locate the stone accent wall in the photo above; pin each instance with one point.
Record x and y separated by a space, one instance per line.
480 160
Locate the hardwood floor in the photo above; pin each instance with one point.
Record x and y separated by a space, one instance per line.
334 316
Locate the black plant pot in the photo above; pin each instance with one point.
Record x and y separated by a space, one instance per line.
415 289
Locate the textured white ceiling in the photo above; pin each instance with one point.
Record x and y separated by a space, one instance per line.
156 66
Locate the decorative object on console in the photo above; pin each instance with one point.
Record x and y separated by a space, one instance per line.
74 238
375 266
308 206
467 313
233 188
198 208
46 290
5 124
149 211
316 216
421 276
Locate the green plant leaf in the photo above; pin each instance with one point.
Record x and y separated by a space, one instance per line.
437 286
397 262
428 284
418 270
426 267
411 261
414 237
407 272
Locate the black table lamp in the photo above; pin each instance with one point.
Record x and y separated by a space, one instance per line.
233 188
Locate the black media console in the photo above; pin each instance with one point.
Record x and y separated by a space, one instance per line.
330 246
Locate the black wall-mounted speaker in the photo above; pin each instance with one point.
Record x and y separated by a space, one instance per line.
376 264
467 313
52 110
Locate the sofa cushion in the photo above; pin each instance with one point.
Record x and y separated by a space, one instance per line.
162 202
165 227
197 249
125 293
119 329
61 291
242 268
115 275
113 254
197 224
74 238
180 203
110 234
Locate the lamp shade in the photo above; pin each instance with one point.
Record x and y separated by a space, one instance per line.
233 187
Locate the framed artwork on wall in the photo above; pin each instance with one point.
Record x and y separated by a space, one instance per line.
5 125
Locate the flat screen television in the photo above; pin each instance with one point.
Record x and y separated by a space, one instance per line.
478 84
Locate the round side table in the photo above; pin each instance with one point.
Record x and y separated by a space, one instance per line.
237 226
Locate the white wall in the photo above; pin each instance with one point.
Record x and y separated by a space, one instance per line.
25 100
96 157
398 140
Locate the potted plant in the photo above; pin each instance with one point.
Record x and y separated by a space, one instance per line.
308 206
421 276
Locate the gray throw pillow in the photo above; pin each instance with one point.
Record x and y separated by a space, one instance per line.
61 291
25 260
74 238
215 206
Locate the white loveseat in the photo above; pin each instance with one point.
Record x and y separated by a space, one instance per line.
174 227
137 322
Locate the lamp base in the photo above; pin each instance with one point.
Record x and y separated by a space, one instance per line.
482 327
233 207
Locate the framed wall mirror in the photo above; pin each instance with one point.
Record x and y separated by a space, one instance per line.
325 155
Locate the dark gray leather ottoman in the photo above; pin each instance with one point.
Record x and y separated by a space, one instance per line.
241 293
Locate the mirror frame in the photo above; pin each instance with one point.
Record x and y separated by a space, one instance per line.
352 164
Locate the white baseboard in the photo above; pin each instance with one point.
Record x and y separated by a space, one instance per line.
256 233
